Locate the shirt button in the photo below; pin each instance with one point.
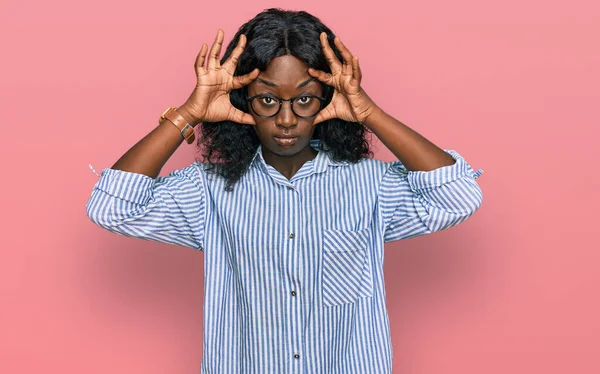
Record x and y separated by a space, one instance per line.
290 188
292 236
296 356
293 293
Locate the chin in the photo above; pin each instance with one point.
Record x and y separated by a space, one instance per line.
288 151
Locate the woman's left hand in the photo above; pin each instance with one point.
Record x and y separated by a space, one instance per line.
350 102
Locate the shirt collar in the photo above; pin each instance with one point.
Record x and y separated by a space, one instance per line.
318 165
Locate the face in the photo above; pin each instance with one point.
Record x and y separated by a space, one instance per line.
286 77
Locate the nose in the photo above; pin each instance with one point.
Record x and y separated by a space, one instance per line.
286 116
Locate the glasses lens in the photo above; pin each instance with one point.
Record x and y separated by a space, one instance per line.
265 105
306 106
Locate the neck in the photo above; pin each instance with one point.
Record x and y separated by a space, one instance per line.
289 165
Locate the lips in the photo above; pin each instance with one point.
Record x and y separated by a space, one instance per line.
285 136
285 139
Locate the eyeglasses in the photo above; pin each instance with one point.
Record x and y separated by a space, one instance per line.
303 106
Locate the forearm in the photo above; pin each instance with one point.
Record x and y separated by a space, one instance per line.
412 149
149 155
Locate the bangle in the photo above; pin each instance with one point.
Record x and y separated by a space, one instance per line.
186 129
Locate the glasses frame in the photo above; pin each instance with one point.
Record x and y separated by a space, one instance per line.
291 100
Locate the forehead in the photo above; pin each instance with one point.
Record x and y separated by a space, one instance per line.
285 70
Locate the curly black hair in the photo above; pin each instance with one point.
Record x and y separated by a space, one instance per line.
229 147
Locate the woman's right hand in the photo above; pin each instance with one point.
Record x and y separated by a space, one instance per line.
209 102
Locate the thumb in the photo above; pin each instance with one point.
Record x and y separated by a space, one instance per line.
324 115
319 119
240 117
321 76
244 80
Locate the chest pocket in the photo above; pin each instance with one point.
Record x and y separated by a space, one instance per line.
347 274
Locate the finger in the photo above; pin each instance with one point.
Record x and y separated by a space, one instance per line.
324 115
232 61
318 119
356 72
200 60
332 60
238 116
346 55
243 80
215 51
321 76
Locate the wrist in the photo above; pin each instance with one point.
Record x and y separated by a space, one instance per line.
372 113
365 106
185 113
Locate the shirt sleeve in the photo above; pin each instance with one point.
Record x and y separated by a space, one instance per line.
414 203
169 209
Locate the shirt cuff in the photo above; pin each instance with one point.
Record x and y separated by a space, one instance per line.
133 187
420 180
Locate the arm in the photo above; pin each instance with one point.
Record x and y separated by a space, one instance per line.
415 151
150 154
129 199
414 203
351 103
427 189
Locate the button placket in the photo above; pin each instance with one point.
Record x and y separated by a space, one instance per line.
294 244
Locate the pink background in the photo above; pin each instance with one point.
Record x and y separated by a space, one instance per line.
512 85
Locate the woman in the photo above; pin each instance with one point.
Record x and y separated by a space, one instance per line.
288 207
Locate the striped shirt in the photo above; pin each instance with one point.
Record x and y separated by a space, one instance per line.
294 278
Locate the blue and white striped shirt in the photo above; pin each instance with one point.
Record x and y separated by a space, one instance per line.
294 277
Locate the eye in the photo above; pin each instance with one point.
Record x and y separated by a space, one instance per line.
267 100
304 100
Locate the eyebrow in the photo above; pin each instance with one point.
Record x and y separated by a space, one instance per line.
271 84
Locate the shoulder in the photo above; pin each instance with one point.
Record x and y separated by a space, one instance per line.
194 172
369 165
195 169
